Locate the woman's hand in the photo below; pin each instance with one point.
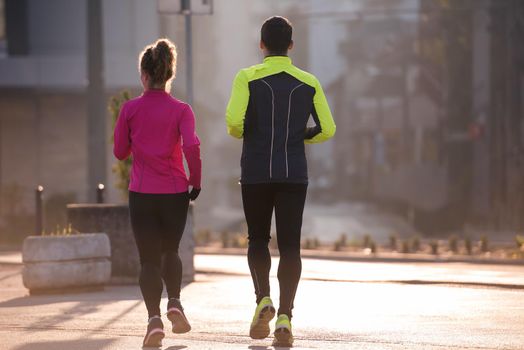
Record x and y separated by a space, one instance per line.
194 193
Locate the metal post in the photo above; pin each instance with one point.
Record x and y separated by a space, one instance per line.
39 214
96 110
186 10
406 122
100 193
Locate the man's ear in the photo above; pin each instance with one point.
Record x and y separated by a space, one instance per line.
290 45
262 45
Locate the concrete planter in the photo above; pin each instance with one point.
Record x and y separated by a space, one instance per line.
55 263
114 220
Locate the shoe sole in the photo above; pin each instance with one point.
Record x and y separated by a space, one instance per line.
154 339
283 338
179 321
260 329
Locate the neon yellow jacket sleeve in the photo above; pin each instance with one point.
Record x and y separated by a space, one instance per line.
237 106
325 125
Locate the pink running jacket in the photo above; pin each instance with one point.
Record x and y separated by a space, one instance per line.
155 128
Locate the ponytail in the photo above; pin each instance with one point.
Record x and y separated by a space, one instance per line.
158 61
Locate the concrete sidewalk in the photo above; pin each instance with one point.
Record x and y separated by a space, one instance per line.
382 257
338 306
409 272
10 257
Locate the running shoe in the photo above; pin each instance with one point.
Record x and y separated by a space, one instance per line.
155 332
283 334
264 313
175 314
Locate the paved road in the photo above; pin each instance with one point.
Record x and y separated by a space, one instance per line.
339 306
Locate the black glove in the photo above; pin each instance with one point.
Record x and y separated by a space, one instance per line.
194 194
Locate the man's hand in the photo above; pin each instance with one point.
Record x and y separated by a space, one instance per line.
194 194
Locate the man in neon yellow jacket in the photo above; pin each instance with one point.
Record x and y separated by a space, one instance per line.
270 106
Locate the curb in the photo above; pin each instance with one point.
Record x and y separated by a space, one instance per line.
347 256
11 258
392 281
379 258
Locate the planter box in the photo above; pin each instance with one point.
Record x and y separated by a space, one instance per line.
114 220
55 263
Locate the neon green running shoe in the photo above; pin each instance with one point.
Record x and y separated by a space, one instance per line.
264 313
283 334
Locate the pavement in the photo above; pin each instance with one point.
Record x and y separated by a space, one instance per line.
339 305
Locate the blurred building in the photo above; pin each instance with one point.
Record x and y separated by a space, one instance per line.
43 98
388 148
472 62
46 132
427 97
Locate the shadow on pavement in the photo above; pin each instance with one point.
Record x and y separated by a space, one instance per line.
117 317
263 347
103 296
84 303
80 304
84 344
176 347
8 276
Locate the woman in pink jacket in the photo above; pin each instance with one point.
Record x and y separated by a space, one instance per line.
157 129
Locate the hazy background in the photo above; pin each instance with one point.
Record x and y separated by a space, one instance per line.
426 94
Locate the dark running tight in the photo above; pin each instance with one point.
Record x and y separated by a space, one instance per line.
288 202
158 222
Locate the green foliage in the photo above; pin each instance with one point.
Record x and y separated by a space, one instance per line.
393 239
55 209
225 239
121 168
434 247
203 237
340 243
307 244
343 240
311 243
61 231
233 240
373 247
484 244
415 244
405 247
239 241
366 241
519 239
453 243
468 245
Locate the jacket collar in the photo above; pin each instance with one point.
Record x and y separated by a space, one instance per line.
153 92
277 60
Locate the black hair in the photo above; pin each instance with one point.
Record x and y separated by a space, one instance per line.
158 61
276 33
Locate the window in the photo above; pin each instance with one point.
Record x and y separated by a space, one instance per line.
16 28
3 36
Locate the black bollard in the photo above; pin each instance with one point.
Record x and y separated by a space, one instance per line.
39 214
100 193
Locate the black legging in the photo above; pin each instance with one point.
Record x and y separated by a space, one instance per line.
158 222
288 202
